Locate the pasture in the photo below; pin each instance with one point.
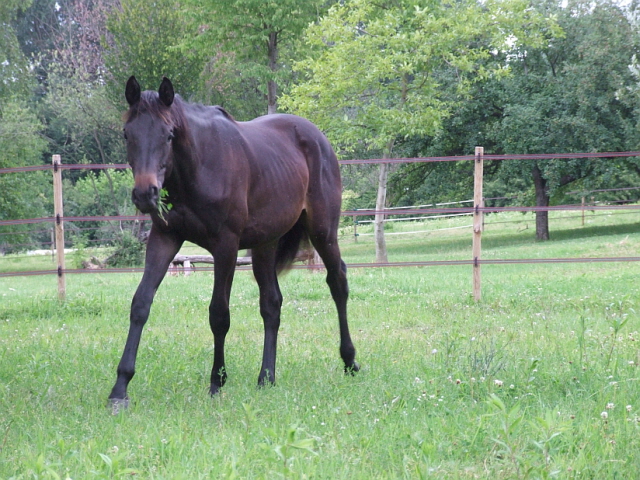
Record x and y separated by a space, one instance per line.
538 380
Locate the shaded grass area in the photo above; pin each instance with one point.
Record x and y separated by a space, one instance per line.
539 380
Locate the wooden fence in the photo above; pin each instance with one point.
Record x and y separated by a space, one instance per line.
477 210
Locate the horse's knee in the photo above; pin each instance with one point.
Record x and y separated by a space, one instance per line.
270 306
140 308
219 319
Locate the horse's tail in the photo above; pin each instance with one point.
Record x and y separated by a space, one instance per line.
290 244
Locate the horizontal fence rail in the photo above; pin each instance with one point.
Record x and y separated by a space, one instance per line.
427 263
354 213
374 161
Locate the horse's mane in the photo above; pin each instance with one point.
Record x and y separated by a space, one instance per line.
175 115
150 103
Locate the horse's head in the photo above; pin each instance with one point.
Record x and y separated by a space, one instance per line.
149 131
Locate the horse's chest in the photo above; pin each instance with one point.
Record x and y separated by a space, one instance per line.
183 221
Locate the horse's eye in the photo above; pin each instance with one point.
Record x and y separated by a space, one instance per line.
171 136
125 135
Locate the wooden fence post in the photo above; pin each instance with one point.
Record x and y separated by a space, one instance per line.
59 225
355 228
477 221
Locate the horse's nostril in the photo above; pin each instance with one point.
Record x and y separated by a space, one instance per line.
153 192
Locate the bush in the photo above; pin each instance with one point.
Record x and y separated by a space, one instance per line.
129 252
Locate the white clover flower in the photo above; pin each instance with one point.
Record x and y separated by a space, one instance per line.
610 406
498 383
629 408
604 415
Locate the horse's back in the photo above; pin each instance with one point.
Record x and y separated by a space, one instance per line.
292 131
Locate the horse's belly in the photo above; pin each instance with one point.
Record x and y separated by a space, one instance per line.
268 227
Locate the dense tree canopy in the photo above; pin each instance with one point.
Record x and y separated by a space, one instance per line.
567 95
405 51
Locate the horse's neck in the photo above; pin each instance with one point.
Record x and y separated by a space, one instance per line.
185 166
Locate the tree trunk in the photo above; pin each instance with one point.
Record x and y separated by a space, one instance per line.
381 201
542 200
272 86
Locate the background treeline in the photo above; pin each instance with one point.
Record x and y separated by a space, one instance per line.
390 78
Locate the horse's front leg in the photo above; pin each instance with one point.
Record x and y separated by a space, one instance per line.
225 258
161 249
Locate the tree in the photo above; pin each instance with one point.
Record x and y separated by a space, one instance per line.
143 39
255 33
375 77
14 70
83 121
21 144
566 97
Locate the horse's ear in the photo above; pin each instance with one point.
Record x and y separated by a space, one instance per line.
166 92
132 91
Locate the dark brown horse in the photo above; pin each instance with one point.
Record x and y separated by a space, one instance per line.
268 185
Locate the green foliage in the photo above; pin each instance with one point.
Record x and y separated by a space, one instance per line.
574 92
21 144
403 50
14 68
164 206
143 40
100 194
83 123
565 97
129 252
107 192
252 43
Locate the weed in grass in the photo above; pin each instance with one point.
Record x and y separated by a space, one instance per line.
617 319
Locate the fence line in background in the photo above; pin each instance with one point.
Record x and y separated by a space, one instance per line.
477 210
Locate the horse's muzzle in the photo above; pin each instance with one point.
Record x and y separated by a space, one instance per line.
146 200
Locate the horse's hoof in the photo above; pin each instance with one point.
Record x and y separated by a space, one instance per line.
117 405
352 369
214 390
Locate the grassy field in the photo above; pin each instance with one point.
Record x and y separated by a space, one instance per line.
538 380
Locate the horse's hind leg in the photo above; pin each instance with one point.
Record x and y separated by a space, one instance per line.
219 320
327 247
264 270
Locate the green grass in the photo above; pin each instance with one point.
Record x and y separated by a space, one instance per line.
515 386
